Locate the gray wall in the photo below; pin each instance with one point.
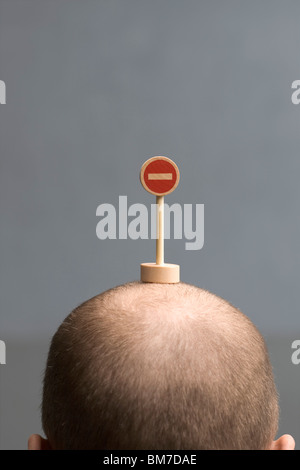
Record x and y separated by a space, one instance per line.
95 88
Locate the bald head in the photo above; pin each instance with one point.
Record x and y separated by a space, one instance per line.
158 366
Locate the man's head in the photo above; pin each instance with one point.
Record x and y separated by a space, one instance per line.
158 366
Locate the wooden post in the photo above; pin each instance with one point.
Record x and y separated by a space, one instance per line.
160 230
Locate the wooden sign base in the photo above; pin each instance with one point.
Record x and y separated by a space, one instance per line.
160 273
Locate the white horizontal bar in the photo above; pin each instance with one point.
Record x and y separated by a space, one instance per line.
160 176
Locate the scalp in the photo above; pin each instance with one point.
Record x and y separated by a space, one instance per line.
159 366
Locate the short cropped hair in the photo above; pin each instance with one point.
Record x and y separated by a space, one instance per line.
158 367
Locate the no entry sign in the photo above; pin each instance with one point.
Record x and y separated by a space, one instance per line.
159 176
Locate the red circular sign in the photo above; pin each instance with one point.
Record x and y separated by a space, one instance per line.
159 176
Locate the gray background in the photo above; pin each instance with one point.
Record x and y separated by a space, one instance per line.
94 88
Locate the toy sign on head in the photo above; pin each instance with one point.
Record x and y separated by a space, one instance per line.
160 176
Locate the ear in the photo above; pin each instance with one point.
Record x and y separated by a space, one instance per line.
285 442
37 442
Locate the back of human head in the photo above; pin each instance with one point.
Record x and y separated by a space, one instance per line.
156 366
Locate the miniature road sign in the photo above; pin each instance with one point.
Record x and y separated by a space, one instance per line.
160 176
